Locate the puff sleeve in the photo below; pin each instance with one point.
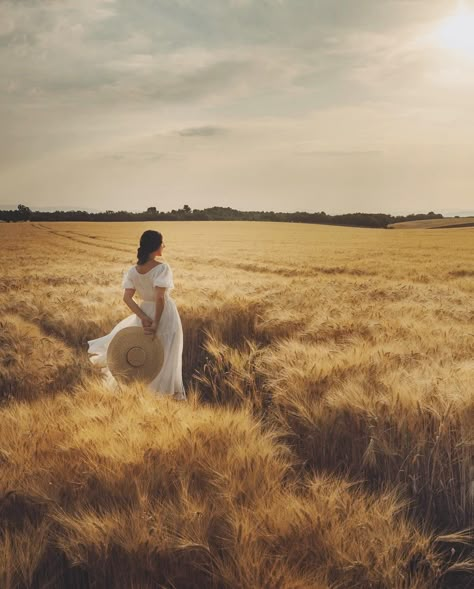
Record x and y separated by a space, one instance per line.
163 276
126 280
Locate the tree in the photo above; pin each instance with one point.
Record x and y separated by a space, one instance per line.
187 209
23 212
151 210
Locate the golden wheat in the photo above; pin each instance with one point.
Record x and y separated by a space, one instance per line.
328 440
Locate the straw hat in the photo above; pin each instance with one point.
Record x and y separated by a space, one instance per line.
133 355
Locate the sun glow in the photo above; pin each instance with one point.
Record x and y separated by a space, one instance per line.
457 31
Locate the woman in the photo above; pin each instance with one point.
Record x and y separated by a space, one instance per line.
157 313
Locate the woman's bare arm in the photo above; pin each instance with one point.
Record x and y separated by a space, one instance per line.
160 305
129 301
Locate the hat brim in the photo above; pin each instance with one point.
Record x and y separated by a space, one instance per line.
132 344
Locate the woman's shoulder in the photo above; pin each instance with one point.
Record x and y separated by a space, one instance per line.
163 276
127 278
161 269
162 265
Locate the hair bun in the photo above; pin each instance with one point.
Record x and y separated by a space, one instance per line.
150 241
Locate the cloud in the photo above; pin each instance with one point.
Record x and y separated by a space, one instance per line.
134 156
205 131
213 52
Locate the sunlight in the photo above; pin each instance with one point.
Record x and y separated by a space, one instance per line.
457 31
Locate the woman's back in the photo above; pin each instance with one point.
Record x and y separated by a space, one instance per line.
159 275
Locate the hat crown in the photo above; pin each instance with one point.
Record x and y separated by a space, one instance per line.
136 356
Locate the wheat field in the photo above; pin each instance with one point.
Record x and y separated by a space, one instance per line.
456 222
328 436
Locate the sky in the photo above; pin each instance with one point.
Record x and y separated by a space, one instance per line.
286 105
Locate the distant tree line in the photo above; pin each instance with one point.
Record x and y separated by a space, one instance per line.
24 213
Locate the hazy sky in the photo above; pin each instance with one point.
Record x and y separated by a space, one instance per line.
334 105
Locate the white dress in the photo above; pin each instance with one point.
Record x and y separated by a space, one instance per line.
170 331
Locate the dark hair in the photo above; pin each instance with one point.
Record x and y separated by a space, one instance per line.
149 242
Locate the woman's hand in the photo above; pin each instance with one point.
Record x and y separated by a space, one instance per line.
146 324
153 327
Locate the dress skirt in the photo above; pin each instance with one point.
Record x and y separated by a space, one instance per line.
170 331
